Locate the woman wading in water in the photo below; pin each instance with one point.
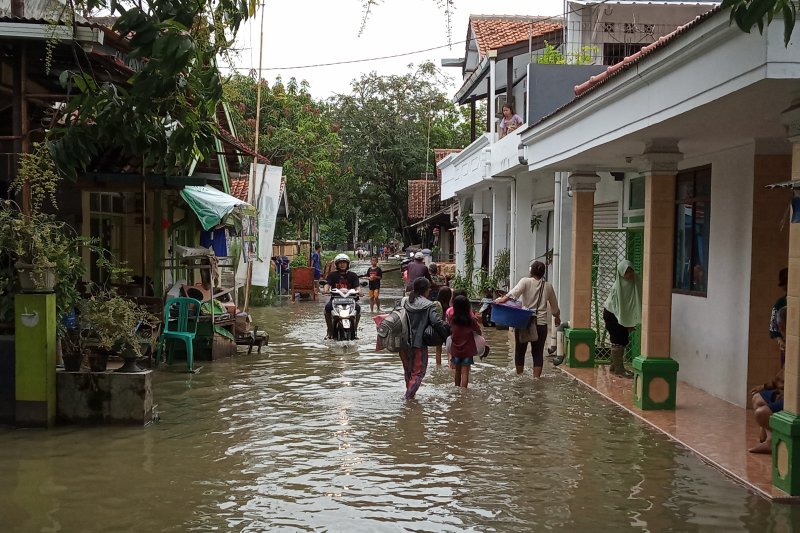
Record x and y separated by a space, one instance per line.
421 313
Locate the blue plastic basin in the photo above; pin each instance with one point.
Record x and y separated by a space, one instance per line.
514 317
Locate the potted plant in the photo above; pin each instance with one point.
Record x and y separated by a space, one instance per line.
113 324
33 244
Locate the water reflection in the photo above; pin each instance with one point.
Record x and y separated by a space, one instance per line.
302 438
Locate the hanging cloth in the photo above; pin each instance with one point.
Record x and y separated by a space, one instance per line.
216 240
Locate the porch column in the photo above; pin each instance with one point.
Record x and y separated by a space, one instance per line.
580 336
785 424
477 217
655 373
499 225
459 246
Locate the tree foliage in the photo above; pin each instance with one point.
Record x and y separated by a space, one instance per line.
384 129
748 14
164 116
296 133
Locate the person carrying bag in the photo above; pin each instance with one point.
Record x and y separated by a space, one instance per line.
421 315
537 295
531 333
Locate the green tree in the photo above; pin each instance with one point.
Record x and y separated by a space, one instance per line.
164 116
748 14
296 133
384 130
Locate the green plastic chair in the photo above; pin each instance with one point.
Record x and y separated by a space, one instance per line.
182 328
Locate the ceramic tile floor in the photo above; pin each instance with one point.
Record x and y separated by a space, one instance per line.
718 431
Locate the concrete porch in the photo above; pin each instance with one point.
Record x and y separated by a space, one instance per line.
716 430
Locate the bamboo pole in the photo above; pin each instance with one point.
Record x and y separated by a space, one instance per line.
251 186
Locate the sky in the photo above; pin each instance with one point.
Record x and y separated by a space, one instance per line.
306 32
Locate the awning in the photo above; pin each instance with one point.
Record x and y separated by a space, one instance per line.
212 205
433 217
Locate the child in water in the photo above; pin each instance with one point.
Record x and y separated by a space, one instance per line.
443 305
465 341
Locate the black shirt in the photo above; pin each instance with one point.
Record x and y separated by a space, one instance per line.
375 284
338 280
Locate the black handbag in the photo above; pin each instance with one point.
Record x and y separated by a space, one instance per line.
436 334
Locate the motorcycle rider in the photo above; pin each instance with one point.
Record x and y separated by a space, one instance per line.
341 278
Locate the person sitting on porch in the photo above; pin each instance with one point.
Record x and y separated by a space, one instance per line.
767 399
622 312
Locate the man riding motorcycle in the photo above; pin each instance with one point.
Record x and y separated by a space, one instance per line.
341 278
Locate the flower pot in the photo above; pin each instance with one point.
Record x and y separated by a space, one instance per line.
129 357
98 360
72 361
32 281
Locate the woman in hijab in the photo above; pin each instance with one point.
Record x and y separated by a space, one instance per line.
622 313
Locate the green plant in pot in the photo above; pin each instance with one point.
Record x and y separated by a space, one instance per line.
33 244
118 325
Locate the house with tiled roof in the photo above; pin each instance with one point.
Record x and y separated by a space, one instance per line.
106 201
697 138
429 216
512 59
530 209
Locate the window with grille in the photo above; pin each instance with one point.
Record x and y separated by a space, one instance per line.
692 229
615 52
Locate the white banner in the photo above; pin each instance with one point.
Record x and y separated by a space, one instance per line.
267 180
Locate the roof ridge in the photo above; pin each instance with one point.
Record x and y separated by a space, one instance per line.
642 52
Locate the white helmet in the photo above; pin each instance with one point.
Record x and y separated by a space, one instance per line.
341 257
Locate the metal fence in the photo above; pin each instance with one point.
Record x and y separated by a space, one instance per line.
609 247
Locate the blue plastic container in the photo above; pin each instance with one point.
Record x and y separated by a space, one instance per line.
514 317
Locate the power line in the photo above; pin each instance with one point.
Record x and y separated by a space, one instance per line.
347 62
403 54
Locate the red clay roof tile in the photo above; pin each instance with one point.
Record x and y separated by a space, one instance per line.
496 31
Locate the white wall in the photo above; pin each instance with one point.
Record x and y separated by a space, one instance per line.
710 335
608 189
522 221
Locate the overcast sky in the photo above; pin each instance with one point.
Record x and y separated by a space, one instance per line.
324 31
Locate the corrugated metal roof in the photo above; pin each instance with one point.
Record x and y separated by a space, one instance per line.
45 10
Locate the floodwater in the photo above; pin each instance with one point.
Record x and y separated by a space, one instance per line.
306 438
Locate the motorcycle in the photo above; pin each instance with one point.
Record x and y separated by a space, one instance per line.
343 316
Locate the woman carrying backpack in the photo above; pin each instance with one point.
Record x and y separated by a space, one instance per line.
420 313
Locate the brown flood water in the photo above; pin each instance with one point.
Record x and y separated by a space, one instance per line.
308 438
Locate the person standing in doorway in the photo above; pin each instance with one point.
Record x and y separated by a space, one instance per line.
421 313
536 294
316 264
374 273
622 312
417 269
